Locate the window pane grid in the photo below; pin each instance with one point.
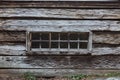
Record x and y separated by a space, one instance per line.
59 41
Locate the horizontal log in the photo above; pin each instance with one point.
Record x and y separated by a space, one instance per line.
60 62
61 28
60 4
61 0
38 62
12 52
32 13
60 25
12 36
106 37
106 51
10 49
59 22
55 72
13 47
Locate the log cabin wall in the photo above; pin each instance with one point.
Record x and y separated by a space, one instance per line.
20 16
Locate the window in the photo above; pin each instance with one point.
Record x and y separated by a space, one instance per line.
58 41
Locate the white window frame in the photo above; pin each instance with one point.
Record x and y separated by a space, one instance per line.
29 49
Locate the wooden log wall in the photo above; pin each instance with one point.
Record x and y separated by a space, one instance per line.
18 17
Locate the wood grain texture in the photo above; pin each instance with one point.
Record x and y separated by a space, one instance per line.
12 49
60 22
11 36
63 0
60 25
56 72
59 16
32 13
41 62
60 62
106 51
60 4
21 50
106 37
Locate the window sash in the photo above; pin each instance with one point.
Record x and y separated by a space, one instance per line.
29 42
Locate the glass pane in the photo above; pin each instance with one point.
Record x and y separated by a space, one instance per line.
45 36
54 36
54 45
44 44
83 45
73 36
73 45
63 36
35 44
35 36
63 45
83 36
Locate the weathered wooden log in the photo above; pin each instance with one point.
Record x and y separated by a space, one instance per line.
106 37
56 72
60 62
62 0
60 22
12 36
32 13
60 4
106 51
60 25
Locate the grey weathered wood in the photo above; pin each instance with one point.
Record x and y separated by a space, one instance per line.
106 51
60 22
60 13
106 37
38 62
32 19
12 52
56 72
12 49
60 4
60 62
12 36
20 50
61 0
28 41
60 25
90 41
